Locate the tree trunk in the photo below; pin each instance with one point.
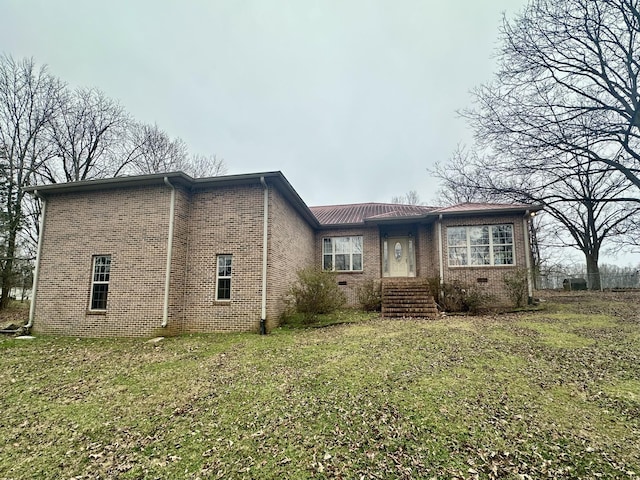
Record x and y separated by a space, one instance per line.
593 272
7 270
536 260
14 211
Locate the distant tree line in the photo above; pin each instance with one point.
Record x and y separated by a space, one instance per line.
50 133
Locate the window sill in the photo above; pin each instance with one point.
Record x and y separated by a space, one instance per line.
222 302
96 312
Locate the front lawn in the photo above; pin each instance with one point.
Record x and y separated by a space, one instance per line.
548 394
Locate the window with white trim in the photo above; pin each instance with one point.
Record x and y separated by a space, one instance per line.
100 282
223 277
480 245
342 254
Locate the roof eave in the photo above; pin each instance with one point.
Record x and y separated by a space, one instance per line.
497 211
184 180
324 226
176 178
397 220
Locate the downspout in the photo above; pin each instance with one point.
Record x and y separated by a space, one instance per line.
440 257
167 278
36 272
527 254
265 225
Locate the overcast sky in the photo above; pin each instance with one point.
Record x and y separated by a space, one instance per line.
352 99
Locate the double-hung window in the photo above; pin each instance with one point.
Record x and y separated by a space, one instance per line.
100 281
223 278
480 245
342 254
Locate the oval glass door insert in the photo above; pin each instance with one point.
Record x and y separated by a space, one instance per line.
398 251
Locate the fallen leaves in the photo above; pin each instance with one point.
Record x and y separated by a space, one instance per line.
469 397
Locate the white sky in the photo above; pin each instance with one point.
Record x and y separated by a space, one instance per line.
351 99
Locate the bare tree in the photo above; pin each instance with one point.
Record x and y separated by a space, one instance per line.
409 198
459 181
152 150
590 205
199 166
28 102
559 124
567 85
84 134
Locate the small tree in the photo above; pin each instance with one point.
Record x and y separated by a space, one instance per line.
316 292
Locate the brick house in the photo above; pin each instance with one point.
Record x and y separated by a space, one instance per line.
166 254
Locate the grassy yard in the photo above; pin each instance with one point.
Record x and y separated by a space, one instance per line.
547 394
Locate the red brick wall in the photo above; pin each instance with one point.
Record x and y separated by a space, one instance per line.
427 251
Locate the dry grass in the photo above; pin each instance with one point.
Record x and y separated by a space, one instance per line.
548 394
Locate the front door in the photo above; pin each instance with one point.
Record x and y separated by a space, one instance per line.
398 251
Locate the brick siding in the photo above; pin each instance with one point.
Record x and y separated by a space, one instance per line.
223 221
370 258
128 224
427 255
291 248
488 280
131 224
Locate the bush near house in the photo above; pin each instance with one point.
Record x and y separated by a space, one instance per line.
370 295
456 296
316 292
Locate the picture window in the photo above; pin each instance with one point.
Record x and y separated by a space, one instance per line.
482 245
342 254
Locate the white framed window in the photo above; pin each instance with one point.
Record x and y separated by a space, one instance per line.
223 277
342 254
100 282
482 245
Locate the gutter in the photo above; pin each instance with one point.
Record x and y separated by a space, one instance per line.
167 278
265 237
36 272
